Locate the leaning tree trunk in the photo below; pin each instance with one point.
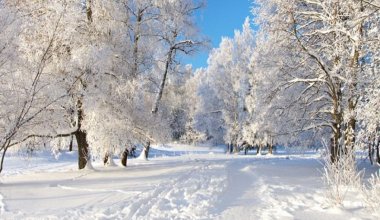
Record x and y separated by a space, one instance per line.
4 148
162 85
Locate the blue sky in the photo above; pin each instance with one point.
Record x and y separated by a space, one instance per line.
219 18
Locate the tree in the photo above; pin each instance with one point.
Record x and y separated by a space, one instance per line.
24 84
178 36
74 57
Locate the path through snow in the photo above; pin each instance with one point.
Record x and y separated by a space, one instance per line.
191 186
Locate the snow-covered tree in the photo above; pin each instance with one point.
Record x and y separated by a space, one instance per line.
321 50
228 74
96 61
178 34
25 81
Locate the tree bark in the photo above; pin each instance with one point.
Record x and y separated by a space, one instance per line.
370 152
105 158
71 143
146 149
83 156
337 124
136 40
124 157
377 152
5 148
270 148
270 145
89 10
81 136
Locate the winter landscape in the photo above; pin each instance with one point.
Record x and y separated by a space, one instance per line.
190 109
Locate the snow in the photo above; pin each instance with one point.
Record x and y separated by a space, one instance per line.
174 184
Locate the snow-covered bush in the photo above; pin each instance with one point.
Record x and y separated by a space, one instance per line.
371 193
341 176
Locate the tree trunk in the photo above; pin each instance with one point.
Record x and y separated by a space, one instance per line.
146 149
377 152
353 90
5 148
89 10
81 136
124 157
83 156
162 85
370 153
351 126
105 158
236 148
71 143
337 117
270 148
136 40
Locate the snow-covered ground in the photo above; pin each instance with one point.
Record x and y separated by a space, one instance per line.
176 183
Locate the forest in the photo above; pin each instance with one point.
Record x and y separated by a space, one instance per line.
106 79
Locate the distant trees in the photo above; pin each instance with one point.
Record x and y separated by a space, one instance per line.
307 76
228 75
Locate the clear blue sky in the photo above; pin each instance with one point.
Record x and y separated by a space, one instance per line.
219 18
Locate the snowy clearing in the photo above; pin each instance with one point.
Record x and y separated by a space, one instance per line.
174 184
